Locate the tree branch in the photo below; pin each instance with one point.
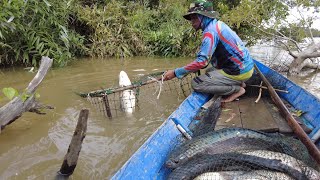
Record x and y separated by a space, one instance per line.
309 28
311 65
288 49
282 36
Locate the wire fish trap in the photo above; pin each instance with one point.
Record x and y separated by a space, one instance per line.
115 101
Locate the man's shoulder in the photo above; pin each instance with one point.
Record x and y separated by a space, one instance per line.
211 28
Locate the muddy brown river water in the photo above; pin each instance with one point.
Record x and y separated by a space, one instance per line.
34 146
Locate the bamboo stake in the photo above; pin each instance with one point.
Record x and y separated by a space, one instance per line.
107 105
312 148
263 87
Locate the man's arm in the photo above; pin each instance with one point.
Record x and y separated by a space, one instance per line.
203 57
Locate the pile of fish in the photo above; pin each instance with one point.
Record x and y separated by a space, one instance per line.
237 153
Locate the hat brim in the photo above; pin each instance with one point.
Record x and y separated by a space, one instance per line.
188 16
211 14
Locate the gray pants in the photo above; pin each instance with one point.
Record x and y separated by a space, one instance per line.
213 82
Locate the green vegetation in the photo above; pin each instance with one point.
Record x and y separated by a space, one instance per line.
31 29
11 93
64 29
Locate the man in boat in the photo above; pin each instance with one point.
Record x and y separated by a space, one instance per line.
221 46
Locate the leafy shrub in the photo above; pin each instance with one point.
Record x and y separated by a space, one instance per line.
31 29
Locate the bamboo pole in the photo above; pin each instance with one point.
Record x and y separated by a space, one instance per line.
312 148
100 93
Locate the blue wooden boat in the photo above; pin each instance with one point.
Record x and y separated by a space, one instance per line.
148 161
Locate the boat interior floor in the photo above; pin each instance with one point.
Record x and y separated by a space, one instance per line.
246 113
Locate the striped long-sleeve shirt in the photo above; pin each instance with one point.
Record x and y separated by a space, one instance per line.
223 47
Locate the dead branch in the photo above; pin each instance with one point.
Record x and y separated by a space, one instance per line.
281 36
16 107
311 65
71 158
298 63
288 49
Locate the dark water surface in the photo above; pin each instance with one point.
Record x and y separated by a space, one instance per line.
34 146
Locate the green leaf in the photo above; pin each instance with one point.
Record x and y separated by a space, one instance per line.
10 92
47 3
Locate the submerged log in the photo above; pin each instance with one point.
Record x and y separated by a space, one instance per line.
16 107
298 131
71 158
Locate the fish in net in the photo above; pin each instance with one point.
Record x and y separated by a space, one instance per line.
267 164
112 102
235 153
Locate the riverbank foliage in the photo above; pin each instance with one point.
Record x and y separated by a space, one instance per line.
65 29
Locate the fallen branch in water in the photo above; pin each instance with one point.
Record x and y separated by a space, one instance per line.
71 158
17 106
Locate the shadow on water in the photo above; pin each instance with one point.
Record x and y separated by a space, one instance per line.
34 146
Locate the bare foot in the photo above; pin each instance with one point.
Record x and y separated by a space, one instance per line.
234 96
243 85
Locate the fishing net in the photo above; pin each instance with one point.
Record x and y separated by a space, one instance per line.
236 153
116 101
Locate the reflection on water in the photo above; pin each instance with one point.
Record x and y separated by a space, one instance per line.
34 146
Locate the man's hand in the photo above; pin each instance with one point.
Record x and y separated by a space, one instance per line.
169 75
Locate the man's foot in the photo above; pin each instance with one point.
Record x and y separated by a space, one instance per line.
243 85
234 96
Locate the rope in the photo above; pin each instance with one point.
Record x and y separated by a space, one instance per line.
160 83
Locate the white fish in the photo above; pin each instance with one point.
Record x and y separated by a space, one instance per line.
127 97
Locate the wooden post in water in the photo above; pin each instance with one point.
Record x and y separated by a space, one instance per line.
71 158
107 105
298 131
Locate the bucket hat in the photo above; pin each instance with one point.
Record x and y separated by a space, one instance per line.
202 7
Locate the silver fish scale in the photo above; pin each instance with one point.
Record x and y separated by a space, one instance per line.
311 173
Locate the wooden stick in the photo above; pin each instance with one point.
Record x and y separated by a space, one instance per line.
260 92
312 148
107 106
263 87
71 158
